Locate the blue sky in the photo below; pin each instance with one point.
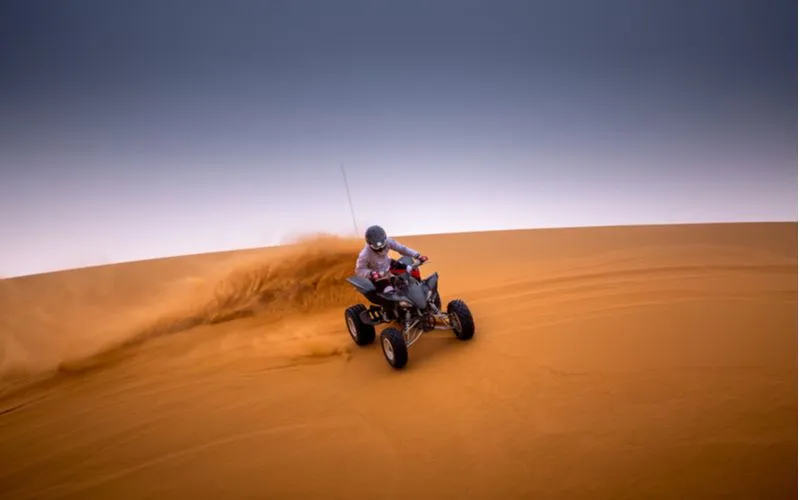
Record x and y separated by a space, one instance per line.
133 130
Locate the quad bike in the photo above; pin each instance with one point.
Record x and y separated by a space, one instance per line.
414 305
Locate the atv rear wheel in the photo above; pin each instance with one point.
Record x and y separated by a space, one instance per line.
394 348
362 333
461 319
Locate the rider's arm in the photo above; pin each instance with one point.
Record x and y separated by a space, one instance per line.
401 249
362 262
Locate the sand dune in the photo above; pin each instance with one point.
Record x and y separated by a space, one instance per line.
637 362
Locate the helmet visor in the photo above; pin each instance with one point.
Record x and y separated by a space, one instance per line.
378 245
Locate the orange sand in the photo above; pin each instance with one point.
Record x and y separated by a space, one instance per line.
637 362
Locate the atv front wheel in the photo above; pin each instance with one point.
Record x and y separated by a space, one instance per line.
362 333
394 348
461 319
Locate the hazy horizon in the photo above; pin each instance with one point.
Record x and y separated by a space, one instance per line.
136 131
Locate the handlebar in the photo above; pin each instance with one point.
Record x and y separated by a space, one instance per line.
415 263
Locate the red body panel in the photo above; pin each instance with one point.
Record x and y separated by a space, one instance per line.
415 273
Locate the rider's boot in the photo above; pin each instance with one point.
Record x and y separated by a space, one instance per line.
387 314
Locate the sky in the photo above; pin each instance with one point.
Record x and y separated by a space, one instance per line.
135 130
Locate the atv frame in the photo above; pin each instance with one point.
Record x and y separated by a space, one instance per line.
414 306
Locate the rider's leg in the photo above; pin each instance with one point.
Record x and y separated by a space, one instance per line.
383 285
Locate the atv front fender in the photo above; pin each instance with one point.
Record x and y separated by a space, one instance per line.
432 282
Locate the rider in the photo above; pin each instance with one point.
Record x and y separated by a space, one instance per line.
374 262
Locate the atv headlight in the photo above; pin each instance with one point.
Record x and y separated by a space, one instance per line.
403 303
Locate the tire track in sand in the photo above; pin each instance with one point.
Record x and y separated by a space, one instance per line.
75 487
576 297
612 278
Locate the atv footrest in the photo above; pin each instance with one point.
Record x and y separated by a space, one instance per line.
371 316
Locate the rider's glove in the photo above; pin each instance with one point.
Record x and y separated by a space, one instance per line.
375 275
422 258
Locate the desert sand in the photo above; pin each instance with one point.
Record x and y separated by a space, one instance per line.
622 362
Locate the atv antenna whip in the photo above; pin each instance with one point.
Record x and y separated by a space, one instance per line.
349 199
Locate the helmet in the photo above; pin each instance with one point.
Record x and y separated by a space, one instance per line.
376 238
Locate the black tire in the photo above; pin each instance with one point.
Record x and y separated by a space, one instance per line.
361 333
461 317
394 348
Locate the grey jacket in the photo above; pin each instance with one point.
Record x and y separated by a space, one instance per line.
369 260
